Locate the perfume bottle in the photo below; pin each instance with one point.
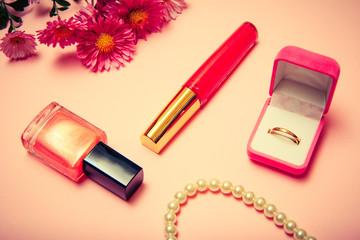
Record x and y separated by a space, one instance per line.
74 147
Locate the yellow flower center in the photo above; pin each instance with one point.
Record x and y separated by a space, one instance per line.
63 32
105 43
17 40
138 18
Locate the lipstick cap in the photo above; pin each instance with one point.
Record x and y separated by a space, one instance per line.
113 171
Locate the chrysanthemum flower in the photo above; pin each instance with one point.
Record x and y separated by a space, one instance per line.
60 32
18 45
86 15
143 16
106 44
100 4
173 8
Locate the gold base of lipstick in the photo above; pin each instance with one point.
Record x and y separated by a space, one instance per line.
181 108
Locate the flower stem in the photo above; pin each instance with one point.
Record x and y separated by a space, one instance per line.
54 11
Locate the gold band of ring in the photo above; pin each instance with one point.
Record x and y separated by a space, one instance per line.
285 133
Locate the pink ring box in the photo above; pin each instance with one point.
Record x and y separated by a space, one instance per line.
302 87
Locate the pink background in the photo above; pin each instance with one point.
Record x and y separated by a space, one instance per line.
36 202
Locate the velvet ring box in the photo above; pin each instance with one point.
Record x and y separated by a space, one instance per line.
302 87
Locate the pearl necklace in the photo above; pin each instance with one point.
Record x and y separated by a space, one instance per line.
237 192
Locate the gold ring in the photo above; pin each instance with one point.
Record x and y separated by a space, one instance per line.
285 133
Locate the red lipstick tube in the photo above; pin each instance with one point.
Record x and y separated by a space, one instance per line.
200 87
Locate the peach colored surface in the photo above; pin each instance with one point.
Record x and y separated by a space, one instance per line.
38 203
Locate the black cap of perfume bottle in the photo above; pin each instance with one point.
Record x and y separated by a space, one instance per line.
113 171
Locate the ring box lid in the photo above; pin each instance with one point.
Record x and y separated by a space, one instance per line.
307 68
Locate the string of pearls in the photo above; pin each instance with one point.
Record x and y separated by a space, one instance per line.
237 192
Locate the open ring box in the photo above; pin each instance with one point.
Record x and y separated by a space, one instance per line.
302 87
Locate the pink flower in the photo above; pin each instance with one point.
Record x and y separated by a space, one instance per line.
86 15
173 8
100 4
106 44
143 16
18 45
60 32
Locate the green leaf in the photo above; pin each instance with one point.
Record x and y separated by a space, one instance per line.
19 5
53 11
63 3
15 18
3 21
63 8
4 18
